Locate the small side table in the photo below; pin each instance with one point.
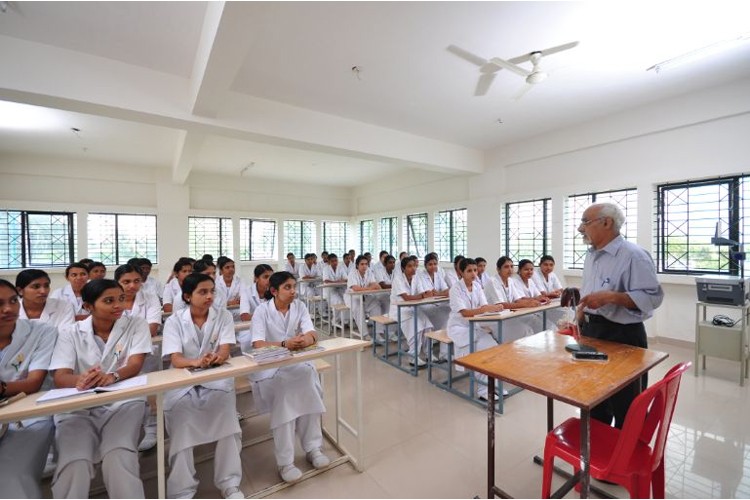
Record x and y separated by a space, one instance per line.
722 341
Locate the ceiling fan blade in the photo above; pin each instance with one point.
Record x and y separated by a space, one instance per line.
484 83
510 67
559 48
522 92
466 55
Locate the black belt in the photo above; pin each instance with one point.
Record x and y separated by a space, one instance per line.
595 318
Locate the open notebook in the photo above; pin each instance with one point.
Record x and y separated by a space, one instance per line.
72 391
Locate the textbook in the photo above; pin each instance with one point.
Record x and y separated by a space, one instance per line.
309 349
263 355
72 391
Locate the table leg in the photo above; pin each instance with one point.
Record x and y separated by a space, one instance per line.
471 372
362 323
550 414
416 344
585 451
490 439
160 469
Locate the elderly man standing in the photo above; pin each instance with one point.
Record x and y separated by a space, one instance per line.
619 291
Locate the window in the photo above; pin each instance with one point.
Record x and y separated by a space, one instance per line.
257 239
450 234
575 248
365 236
36 239
415 234
334 237
388 235
299 237
526 229
210 235
115 238
687 218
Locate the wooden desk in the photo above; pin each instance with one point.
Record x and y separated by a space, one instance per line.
415 304
161 381
540 364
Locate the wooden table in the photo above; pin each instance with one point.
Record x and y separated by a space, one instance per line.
540 364
161 381
415 304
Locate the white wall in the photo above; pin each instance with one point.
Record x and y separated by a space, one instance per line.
698 135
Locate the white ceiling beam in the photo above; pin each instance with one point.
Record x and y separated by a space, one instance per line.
186 151
72 81
221 50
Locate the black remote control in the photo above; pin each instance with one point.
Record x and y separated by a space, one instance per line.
590 355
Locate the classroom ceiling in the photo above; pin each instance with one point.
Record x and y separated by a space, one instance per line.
335 93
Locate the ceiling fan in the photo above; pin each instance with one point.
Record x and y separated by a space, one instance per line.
536 75
487 69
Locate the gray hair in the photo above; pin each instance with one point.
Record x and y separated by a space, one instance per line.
613 212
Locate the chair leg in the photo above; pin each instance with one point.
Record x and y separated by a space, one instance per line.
548 467
657 481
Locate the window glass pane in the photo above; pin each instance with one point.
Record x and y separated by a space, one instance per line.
415 234
210 235
689 214
575 248
299 237
11 239
526 229
365 236
49 239
334 237
136 237
388 235
102 236
257 239
450 234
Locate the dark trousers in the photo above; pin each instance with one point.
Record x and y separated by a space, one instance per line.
632 334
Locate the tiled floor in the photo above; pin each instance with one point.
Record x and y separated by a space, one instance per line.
421 442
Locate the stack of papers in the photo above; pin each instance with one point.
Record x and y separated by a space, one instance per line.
309 349
269 354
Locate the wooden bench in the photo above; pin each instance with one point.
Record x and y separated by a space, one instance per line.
441 336
386 322
338 310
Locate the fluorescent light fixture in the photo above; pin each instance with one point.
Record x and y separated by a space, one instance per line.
701 53
15 116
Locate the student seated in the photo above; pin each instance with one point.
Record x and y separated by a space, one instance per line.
308 273
291 266
467 300
77 275
140 303
97 271
482 277
99 351
408 287
385 277
150 284
33 287
173 290
229 285
505 290
334 273
26 348
362 279
292 394
545 278
200 336
451 278
252 297
433 279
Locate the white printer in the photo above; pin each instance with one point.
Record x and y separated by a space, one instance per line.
730 290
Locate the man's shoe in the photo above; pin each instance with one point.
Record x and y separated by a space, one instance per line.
148 442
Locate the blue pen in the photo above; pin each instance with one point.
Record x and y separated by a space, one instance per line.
605 282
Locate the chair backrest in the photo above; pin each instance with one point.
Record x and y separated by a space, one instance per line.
651 412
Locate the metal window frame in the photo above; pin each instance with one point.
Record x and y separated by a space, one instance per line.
26 248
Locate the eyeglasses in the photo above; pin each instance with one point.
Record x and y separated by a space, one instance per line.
586 222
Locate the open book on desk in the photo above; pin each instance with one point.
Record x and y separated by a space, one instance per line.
72 391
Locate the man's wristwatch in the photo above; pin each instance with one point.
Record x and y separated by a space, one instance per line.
116 376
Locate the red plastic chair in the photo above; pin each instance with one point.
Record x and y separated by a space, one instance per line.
632 457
